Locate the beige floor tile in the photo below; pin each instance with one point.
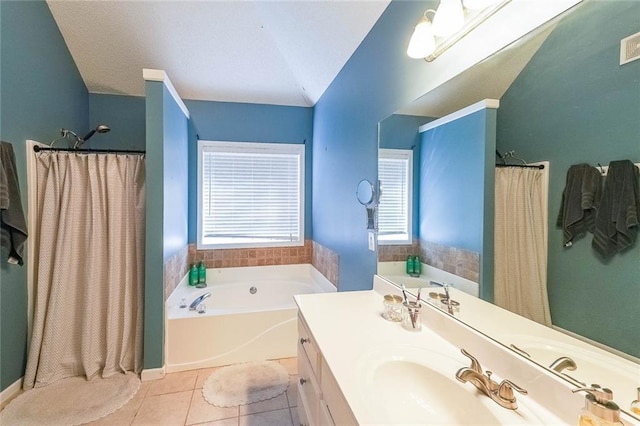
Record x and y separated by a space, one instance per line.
144 389
201 411
123 416
269 418
203 374
291 364
292 391
173 382
167 409
276 403
224 422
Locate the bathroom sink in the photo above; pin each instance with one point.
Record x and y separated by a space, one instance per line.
593 366
414 385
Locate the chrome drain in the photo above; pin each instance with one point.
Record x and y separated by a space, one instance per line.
253 290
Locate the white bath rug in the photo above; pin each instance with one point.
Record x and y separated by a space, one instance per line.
72 401
241 384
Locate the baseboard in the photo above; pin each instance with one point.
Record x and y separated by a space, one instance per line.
153 374
10 392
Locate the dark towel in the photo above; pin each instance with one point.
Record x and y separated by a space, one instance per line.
617 219
13 227
579 202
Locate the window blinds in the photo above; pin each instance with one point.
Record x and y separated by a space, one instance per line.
251 195
394 210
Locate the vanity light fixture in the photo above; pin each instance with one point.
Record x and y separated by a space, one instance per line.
450 23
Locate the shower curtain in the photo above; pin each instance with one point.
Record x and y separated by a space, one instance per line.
520 259
88 266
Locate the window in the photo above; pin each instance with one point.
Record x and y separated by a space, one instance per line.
395 172
250 194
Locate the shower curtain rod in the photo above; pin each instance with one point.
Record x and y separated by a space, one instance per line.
96 151
531 166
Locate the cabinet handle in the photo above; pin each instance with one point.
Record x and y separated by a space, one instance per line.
304 340
303 381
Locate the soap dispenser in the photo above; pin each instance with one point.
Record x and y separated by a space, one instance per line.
635 405
599 409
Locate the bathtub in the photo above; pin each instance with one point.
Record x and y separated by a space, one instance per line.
395 272
250 316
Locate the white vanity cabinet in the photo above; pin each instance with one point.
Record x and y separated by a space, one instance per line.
320 402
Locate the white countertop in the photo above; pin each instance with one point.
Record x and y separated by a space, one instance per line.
348 327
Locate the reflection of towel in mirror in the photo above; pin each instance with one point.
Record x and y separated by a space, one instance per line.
617 219
579 202
13 227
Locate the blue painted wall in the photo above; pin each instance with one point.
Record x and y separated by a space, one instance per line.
167 135
240 122
377 80
401 132
574 103
42 91
452 183
125 115
456 188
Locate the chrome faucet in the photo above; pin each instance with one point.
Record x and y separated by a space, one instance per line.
564 362
194 305
501 393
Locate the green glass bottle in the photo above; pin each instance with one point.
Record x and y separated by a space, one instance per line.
417 266
193 275
202 273
410 265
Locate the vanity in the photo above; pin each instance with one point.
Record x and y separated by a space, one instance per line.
355 367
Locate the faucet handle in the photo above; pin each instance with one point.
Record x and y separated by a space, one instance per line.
475 365
505 390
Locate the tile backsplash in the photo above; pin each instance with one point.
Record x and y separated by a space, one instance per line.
174 270
327 262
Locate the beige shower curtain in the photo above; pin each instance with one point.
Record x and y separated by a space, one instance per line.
89 260
521 242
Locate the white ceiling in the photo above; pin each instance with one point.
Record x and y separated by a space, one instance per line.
270 52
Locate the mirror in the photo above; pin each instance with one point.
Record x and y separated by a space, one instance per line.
365 193
552 108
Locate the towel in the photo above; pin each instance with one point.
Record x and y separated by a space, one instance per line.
13 227
580 200
617 219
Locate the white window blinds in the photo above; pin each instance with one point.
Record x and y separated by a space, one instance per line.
251 194
395 172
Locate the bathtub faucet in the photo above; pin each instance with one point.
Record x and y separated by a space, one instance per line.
194 305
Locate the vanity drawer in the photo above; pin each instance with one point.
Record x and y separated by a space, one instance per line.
308 390
307 345
302 413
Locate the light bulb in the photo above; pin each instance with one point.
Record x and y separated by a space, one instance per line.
449 18
422 43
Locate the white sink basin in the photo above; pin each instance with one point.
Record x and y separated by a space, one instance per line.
593 366
412 385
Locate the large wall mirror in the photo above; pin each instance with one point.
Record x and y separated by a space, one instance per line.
564 99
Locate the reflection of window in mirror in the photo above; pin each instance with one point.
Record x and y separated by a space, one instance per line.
395 171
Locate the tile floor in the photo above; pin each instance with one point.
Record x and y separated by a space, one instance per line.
177 400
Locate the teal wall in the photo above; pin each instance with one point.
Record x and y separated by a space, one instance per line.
125 115
167 136
242 122
401 132
41 91
377 80
455 187
574 103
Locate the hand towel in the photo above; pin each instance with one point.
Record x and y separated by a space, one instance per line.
580 200
13 226
617 218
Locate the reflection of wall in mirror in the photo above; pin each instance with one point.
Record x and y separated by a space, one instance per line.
574 103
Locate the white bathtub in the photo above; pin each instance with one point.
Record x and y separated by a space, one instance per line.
395 272
238 326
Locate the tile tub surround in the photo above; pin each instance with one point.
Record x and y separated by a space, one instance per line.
398 253
174 269
322 258
463 263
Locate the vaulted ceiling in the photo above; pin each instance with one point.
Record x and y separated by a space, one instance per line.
272 52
